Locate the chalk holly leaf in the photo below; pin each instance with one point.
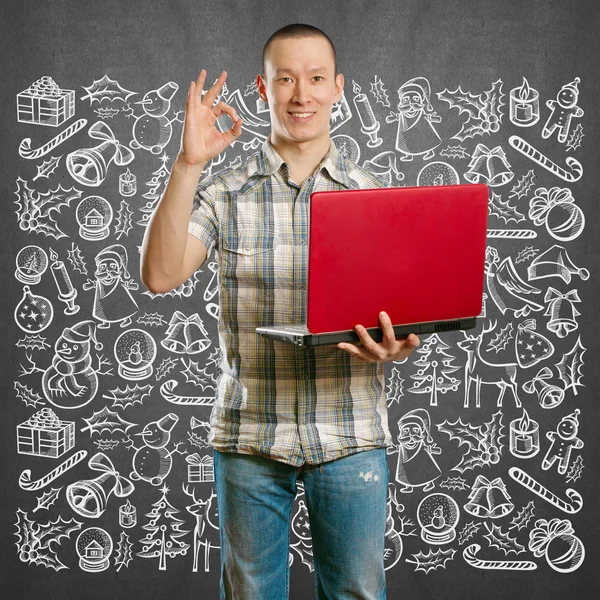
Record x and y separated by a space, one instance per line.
76 259
503 210
123 225
123 557
47 499
467 532
433 560
106 89
523 516
122 398
523 185
106 420
47 167
498 539
199 377
569 367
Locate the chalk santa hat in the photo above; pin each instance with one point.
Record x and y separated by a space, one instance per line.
82 332
420 417
118 252
555 262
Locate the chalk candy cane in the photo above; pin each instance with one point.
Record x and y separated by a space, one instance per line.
25 150
503 565
518 143
576 501
166 390
519 234
26 483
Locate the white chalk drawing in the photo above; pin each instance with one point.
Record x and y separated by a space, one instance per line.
506 287
36 542
66 291
124 218
575 470
135 351
301 530
127 515
129 396
89 166
438 515
393 537
556 540
94 215
549 395
369 123
379 92
556 209
152 462
25 150
347 146
562 111
200 470
32 485
113 302
153 195
44 103
484 441
524 105
432 560
206 528
186 335
33 313
163 537
152 131
524 437
501 540
563 441
438 173
212 287
106 420
523 185
503 210
561 311
555 262
32 262
483 110
89 497
477 369
416 466
569 367
340 114
36 210
127 183
44 434
572 174
471 558
433 376
383 165
468 531
47 499
124 551
416 134
531 347
576 138
167 392
523 517
94 547
575 500
489 166
454 483
488 499
106 89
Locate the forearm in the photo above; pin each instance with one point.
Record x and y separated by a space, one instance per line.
163 247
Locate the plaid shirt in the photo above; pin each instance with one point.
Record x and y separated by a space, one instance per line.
273 399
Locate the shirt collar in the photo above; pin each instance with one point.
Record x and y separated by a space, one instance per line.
269 162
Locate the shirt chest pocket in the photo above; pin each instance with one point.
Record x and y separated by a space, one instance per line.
248 262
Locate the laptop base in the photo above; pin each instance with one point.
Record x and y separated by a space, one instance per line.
301 337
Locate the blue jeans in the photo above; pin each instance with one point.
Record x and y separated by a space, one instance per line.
346 501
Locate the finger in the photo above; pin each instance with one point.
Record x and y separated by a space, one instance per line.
389 337
213 92
200 83
367 341
222 108
352 349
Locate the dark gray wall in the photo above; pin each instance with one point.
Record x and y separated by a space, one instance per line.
143 45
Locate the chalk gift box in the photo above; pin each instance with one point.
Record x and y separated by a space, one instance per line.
44 434
200 469
44 103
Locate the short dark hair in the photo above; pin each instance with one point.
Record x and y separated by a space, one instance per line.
297 30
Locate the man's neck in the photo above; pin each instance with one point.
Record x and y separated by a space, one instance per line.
301 157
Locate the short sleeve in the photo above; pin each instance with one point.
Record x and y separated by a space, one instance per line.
204 223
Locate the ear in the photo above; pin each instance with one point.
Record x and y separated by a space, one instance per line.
339 87
262 88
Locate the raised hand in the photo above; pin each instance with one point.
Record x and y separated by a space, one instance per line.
201 140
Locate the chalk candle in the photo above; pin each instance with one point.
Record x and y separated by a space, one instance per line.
524 105
127 515
370 125
66 292
127 183
524 437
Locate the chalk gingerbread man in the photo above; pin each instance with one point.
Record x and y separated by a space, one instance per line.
562 110
563 440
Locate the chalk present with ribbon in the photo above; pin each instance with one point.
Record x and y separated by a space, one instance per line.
89 166
200 469
88 497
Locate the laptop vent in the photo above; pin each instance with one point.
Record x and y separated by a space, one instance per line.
453 326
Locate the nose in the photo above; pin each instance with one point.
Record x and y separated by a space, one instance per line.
301 92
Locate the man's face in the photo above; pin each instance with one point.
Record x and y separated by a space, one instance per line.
300 80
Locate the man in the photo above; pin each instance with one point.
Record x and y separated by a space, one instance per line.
281 413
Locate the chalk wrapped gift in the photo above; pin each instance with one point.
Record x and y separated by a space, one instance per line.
44 103
44 434
200 469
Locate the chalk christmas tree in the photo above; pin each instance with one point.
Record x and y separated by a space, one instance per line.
163 535
433 376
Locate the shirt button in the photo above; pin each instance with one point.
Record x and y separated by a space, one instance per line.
303 286
306 377
302 242
247 248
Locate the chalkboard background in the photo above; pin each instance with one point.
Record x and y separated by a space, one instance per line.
484 49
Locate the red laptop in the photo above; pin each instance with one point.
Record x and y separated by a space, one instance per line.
416 252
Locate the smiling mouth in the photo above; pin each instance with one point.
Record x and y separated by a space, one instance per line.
301 117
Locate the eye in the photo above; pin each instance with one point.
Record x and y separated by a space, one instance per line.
318 77
282 78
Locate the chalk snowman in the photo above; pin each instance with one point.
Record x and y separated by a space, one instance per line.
564 440
152 130
562 111
152 462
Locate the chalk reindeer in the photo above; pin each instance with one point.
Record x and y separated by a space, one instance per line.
479 371
205 512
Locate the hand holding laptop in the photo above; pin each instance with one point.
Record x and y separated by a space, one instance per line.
388 350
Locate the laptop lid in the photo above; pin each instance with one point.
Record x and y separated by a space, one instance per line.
416 252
